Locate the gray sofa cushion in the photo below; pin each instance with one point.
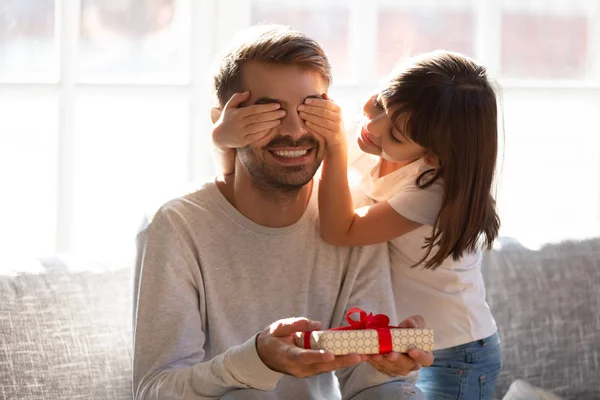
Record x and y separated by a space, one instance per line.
65 334
546 304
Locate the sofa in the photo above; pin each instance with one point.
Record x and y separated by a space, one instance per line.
547 308
65 323
65 331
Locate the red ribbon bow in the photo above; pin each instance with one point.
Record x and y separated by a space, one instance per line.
379 322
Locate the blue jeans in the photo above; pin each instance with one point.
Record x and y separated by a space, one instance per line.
396 390
465 372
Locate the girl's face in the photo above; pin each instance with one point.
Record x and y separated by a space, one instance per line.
380 137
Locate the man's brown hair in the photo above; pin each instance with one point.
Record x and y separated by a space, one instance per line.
451 112
272 44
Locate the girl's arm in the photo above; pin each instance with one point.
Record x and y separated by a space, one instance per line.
341 224
225 159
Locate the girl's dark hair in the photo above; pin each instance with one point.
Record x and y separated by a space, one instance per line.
450 109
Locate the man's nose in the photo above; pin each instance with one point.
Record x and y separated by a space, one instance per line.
292 125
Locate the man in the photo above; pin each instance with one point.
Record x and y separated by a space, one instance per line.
218 265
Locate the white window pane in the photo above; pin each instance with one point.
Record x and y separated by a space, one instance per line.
326 22
28 164
28 51
550 186
134 41
409 28
131 153
550 40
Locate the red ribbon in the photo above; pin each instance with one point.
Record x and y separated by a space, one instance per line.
379 322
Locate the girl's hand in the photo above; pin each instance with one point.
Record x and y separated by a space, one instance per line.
324 117
239 126
394 364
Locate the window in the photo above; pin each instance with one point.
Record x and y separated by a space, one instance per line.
404 28
134 41
550 40
28 45
28 171
326 22
100 103
105 103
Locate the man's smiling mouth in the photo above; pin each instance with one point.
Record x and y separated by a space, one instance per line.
290 153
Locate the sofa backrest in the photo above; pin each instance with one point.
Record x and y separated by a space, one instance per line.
547 307
65 334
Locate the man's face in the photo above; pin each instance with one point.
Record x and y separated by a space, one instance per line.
288 157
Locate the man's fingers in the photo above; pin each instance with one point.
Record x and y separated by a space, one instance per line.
324 360
402 362
307 357
264 117
237 99
302 363
414 321
395 364
289 326
420 321
389 368
347 361
408 323
375 364
425 358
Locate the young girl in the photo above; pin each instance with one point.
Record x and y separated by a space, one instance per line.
433 130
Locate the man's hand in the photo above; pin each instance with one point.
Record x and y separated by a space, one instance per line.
394 364
237 127
275 346
324 117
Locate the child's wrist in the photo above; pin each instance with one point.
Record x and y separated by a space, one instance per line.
336 150
221 149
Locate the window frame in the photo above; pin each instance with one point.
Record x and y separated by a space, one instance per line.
212 27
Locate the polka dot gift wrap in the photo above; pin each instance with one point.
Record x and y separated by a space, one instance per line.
370 334
367 341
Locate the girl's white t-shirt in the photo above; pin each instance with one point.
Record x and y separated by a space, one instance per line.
450 298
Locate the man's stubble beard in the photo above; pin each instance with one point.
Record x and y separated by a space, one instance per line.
283 183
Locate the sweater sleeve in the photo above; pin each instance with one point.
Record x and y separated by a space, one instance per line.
372 291
169 361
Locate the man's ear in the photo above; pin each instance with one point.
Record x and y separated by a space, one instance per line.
215 114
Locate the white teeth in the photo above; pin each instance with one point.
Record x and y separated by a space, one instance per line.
290 153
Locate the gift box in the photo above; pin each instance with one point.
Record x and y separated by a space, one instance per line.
371 334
